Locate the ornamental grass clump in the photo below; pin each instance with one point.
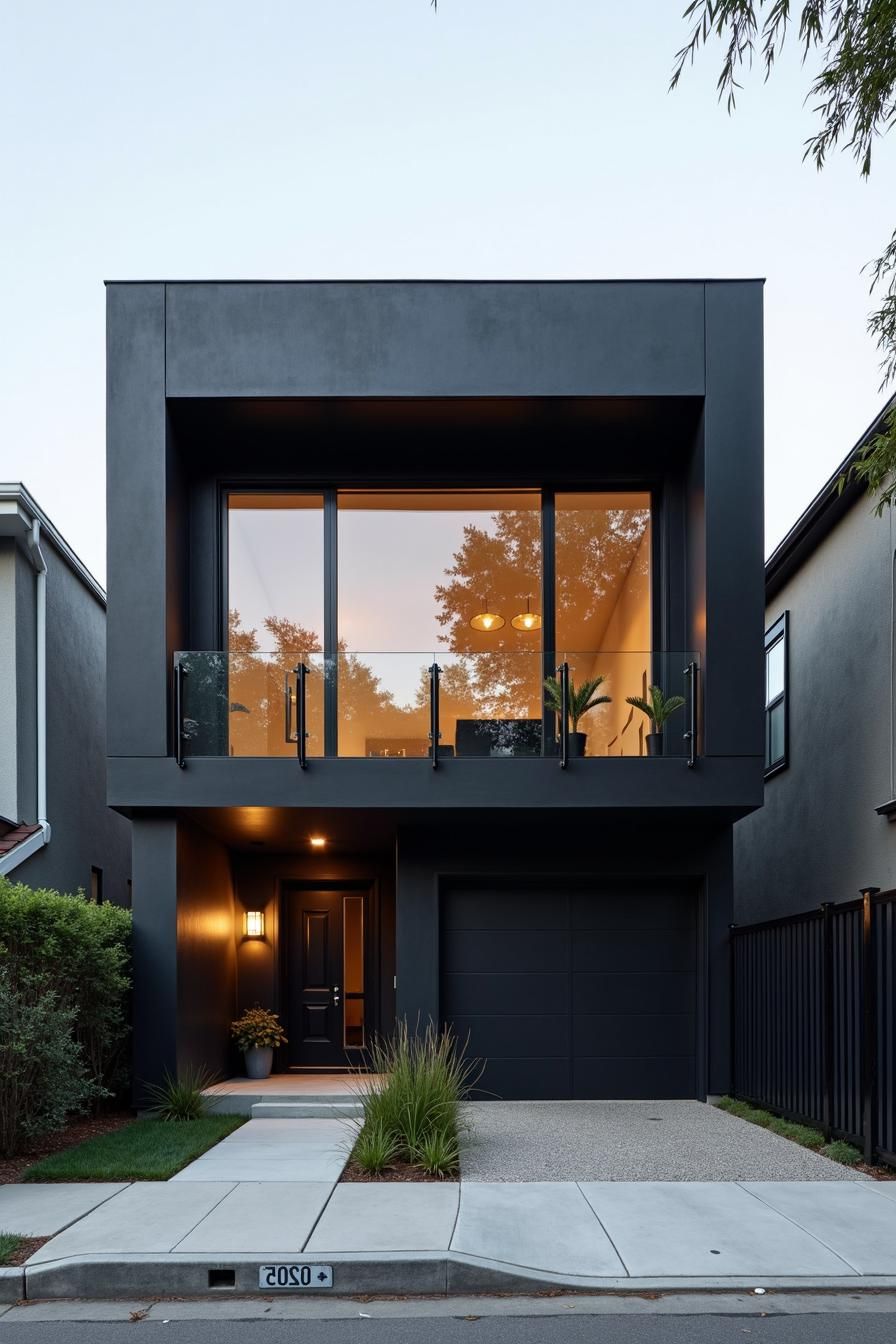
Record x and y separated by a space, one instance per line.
412 1099
181 1097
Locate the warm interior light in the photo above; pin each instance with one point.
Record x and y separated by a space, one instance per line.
318 841
254 923
487 620
528 619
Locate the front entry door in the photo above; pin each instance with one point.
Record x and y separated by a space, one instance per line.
325 975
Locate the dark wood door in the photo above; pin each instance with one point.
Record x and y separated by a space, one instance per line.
316 996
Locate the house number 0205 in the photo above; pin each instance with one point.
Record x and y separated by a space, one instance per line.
295 1276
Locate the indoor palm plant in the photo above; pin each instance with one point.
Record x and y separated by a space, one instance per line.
658 709
579 700
256 1033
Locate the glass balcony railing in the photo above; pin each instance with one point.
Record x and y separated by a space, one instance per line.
437 705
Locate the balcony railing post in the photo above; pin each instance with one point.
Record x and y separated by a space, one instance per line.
301 716
827 1018
691 672
869 1026
563 673
434 732
179 673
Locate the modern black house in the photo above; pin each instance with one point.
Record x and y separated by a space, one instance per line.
365 539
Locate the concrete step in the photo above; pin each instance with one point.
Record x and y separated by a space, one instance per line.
317 1108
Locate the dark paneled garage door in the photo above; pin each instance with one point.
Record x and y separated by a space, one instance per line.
587 992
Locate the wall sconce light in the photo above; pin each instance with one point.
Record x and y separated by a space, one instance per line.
253 923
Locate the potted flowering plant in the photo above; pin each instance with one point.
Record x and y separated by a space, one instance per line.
256 1033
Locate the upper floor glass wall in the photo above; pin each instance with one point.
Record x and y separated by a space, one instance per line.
421 576
603 605
275 615
446 575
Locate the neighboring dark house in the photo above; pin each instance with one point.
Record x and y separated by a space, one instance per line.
320 491
825 831
55 828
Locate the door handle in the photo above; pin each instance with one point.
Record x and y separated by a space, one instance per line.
335 994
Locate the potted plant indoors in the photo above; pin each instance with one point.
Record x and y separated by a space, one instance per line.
579 701
256 1033
658 709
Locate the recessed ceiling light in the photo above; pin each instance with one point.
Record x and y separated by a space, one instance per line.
318 841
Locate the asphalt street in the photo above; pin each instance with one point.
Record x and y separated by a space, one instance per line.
830 1328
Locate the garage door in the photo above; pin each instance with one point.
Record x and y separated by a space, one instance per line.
586 993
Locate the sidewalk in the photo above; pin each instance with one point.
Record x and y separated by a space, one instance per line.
192 1237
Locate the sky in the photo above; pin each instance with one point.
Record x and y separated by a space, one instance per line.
378 139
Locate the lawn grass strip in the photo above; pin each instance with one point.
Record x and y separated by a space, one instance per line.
838 1150
146 1150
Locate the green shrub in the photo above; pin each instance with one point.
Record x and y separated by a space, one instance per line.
802 1134
413 1095
81 952
180 1098
42 1077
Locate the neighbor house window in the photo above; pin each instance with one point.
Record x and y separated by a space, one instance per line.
776 737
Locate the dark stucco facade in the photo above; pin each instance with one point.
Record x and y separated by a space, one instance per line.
827 829
555 386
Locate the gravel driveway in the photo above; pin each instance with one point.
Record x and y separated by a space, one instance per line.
630 1141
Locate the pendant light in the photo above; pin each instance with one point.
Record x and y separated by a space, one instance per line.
487 621
528 619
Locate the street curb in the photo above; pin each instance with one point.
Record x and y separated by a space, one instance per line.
12 1284
412 1273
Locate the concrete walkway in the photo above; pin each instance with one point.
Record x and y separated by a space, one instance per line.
192 1237
276 1150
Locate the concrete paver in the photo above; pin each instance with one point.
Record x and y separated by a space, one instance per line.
147 1216
41 1210
702 1229
850 1219
261 1169
542 1226
385 1216
260 1218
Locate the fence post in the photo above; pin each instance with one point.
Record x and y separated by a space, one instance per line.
732 1010
827 1018
869 1026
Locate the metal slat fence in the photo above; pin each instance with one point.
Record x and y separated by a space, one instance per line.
813 1027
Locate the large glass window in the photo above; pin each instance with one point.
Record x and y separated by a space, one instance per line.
275 619
450 577
776 756
603 605
417 577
